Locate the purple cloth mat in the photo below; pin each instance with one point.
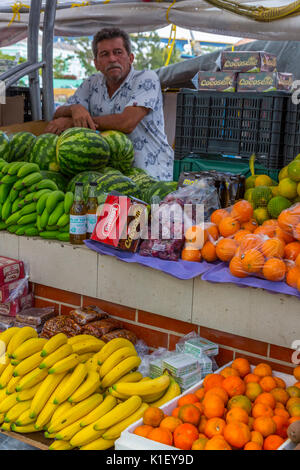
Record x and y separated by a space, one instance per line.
222 274
180 269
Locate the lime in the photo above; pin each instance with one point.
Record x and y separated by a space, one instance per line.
294 170
288 188
276 205
250 182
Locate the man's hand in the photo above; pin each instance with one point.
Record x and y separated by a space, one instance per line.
81 117
57 126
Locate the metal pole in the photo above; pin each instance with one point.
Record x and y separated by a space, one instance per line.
17 75
47 57
33 58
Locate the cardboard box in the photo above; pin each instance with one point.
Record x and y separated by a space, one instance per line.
13 111
217 81
248 61
264 82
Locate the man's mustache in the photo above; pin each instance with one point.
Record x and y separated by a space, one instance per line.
110 67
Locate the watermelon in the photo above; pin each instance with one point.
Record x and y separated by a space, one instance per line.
144 182
121 150
136 171
44 152
58 178
4 146
117 182
109 169
79 149
158 191
84 177
21 144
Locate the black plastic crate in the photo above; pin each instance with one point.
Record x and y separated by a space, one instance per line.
232 124
24 91
292 133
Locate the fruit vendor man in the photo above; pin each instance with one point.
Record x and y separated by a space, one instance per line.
123 99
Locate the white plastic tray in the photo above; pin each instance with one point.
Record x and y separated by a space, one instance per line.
130 441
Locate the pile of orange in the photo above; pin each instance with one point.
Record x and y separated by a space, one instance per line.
236 408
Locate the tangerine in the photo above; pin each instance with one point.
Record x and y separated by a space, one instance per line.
234 386
257 437
294 410
250 242
184 436
214 427
279 382
240 401
281 412
213 407
164 436
266 398
236 267
253 389
284 236
272 442
267 383
251 225
240 235
265 425
273 248
296 373
201 426
218 215
212 231
170 423
242 366
208 252
191 254
196 236
200 393
237 434
282 424
280 395
217 443
153 416
237 414
262 369
252 446
189 413
229 372
175 412
219 391
225 249
292 250
274 269
187 399
287 220
293 276
253 261
259 409
228 226
251 378
242 211
200 443
212 380
143 430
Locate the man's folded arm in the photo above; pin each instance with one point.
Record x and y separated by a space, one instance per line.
124 122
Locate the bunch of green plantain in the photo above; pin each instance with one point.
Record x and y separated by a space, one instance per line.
30 205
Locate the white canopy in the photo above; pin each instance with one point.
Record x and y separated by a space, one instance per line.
142 16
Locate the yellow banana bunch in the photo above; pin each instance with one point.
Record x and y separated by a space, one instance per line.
107 405
28 364
87 388
60 445
75 379
60 353
6 375
79 338
44 392
28 348
115 358
91 345
85 435
68 432
49 409
114 431
22 335
99 444
131 377
147 387
11 386
24 419
7 335
83 358
111 347
64 364
13 413
28 393
32 378
119 412
23 429
8 403
119 370
54 343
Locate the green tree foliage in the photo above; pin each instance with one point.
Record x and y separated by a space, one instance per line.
61 66
84 53
150 53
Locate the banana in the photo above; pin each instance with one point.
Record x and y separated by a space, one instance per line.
92 363
13 413
117 395
5 190
33 178
79 338
7 335
76 412
111 347
46 184
2 418
60 445
28 393
147 387
56 214
9 180
44 392
13 218
27 169
28 219
41 204
24 419
83 358
60 410
28 364
8 403
49 436
5 361
119 370
6 209
63 221
54 198
32 378
29 348
61 353
75 380
31 231
153 397
86 435
54 343
23 429
28 209
25 333
117 414
65 364
11 386
15 167
13 196
44 218
67 433
3 394
91 345
87 388
6 375
38 194
68 202
172 391
115 358
131 377
99 444
28 199
114 431
107 405
5 427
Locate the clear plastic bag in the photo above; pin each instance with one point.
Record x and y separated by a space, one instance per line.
35 316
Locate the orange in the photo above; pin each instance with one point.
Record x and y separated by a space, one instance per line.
234 386
213 407
201 426
297 384
292 250
199 406
286 221
191 254
296 373
296 232
265 425
212 380
218 215
219 391
266 398
279 405
251 378
262 369
280 382
297 261
251 225
274 269
228 226
257 437
280 395
229 372
293 276
225 249
270 222
242 211
253 389
250 242
237 414
273 248
199 444
259 409
163 436
187 399
214 427
153 416
281 412
189 413
236 267
250 422
291 402
143 430
267 383
293 419
237 434
184 436
175 412
242 366
212 231
272 442
208 252
196 236
265 230
281 425
252 446
217 443
170 423
253 261
283 236
200 393
240 401
293 391
240 234
294 410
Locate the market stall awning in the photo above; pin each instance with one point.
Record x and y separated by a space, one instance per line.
198 15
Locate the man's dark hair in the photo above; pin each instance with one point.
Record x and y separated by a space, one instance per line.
111 33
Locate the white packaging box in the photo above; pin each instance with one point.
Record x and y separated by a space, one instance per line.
130 441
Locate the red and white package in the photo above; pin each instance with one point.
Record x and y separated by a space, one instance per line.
26 301
13 289
10 309
10 270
